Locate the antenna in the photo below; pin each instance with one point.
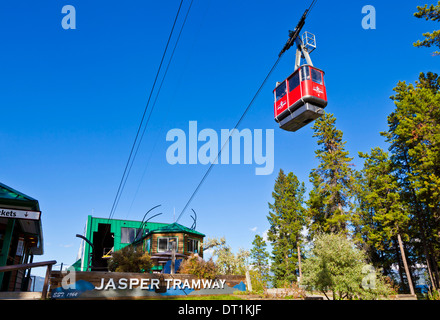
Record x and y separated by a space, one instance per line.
193 226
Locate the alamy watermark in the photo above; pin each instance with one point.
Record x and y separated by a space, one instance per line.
224 150
369 281
369 20
69 20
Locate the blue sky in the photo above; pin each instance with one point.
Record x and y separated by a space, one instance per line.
71 102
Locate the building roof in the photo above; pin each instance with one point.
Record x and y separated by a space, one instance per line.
175 227
12 196
170 228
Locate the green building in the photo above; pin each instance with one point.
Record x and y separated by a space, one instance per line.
21 236
103 236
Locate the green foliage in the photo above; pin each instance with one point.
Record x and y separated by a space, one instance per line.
259 258
434 295
380 213
287 218
329 202
228 263
336 266
128 259
414 137
195 265
431 38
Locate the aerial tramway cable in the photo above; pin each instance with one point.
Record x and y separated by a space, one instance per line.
229 137
154 104
132 156
289 43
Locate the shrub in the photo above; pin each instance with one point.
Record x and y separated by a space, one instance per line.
128 259
197 266
336 266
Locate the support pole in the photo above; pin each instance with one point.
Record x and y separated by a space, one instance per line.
173 256
301 51
6 245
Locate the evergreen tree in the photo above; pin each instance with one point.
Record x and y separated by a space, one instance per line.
287 218
381 215
260 260
329 202
431 38
414 135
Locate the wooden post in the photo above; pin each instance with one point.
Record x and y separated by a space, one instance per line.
46 282
173 256
6 244
248 281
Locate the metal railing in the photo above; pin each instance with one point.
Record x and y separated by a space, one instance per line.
49 265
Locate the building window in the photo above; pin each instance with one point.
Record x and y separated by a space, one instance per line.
193 245
128 234
165 243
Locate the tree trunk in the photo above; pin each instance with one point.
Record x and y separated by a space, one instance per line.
434 267
408 275
430 274
399 263
422 227
299 261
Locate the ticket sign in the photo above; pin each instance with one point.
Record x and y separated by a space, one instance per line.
19 214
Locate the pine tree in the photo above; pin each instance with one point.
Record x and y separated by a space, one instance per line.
287 218
260 260
382 215
329 202
414 136
431 38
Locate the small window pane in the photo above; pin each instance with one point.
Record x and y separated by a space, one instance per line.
305 75
281 91
294 81
193 245
128 234
163 244
166 244
316 76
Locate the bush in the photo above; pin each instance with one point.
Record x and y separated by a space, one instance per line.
336 266
197 266
130 260
434 295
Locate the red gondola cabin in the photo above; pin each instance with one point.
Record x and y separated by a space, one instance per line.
300 98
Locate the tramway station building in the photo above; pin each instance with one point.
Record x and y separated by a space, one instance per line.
21 237
103 236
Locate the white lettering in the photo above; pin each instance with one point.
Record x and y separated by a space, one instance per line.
186 284
133 282
208 153
144 284
101 286
122 283
195 283
206 283
155 283
69 20
369 21
211 146
267 160
177 283
168 282
178 147
110 284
